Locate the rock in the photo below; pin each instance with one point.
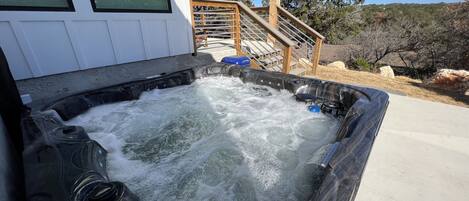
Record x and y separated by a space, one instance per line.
456 79
386 71
450 77
337 64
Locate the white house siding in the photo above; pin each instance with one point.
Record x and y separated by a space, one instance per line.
38 43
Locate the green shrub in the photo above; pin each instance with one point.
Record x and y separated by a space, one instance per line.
362 64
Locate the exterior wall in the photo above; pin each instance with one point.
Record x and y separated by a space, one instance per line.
38 43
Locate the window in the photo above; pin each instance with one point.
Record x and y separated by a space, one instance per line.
37 5
136 6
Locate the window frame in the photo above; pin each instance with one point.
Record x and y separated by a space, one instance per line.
120 10
70 8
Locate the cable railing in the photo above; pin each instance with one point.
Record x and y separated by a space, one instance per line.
308 41
305 42
274 40
215 19
253 40
212 22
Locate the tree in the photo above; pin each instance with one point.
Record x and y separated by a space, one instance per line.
450 41
335 19
425 37
380 40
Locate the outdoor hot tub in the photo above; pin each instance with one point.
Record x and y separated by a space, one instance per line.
218 132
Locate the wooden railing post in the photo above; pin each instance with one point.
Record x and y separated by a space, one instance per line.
273 17
237 30
194 38
205 36
287 51
316 55
273 13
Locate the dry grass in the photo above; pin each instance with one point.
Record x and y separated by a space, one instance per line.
403 85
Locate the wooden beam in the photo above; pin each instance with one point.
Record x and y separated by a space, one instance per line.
223 4
273 18
287 59
202 17
237 33
316 55
273 13
261 9
194 39
254 64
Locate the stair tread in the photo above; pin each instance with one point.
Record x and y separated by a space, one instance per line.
279 67
265 53
277 60
271 60
260 48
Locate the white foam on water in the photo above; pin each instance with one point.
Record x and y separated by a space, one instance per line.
216 139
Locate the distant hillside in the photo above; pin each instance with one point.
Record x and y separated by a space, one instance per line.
423 36
423 13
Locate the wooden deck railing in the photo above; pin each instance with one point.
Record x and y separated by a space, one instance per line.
296 30
310 31
262 29
239 10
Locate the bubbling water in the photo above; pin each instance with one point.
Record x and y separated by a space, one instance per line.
216 139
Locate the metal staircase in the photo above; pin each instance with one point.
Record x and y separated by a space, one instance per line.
271 37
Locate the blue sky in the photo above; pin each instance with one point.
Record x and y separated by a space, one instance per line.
259 2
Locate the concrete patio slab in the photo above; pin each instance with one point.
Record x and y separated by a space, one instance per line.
421 153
